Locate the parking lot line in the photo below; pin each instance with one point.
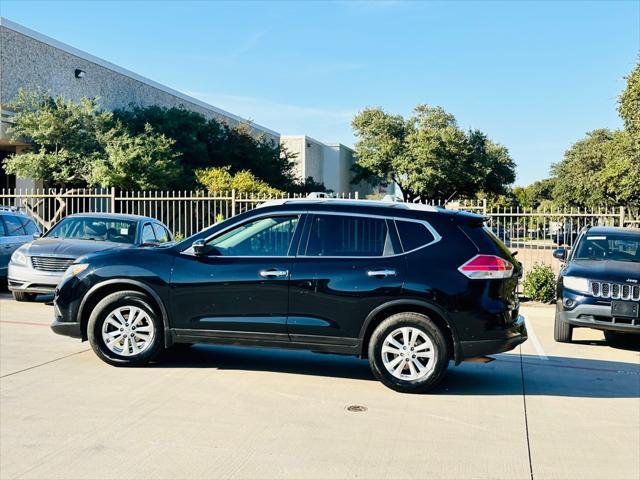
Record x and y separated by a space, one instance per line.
534 340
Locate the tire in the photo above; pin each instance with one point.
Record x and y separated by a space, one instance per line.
146 330
409 379
24 296
562 331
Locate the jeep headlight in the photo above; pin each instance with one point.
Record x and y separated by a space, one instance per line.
577 284
19 257
74 270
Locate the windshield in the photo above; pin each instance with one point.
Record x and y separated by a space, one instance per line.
98 229
621 247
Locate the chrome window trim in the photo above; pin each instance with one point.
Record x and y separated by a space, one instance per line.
437 237
435 234
296 213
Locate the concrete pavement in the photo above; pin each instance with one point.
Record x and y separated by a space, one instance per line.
548 410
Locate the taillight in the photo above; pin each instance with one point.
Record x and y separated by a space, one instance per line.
487 266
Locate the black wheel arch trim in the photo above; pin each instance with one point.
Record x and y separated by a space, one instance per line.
409 302
168 339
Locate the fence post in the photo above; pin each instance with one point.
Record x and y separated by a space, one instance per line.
113 199
622 216
357 195
484 207
233 202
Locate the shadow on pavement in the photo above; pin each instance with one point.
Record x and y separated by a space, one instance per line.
557 376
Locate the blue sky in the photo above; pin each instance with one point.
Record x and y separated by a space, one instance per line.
535 76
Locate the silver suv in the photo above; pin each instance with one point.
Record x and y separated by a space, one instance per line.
16 229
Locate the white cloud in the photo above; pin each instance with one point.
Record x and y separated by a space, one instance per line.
325 124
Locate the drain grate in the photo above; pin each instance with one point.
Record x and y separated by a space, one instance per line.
356 408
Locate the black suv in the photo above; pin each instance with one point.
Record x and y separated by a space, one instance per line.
407 286
599 286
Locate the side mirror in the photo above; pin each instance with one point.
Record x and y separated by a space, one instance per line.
37 235
560 254
199 247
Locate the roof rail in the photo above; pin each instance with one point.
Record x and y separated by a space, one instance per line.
347 201
7 208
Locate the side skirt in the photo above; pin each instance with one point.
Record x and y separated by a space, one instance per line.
341 345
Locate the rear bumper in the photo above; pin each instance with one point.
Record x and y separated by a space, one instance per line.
515 335
597 317
28 280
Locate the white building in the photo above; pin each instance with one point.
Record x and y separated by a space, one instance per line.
330 164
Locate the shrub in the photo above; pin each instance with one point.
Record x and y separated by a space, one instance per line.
540 284
220 179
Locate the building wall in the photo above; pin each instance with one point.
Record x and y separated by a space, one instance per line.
31 60
330 164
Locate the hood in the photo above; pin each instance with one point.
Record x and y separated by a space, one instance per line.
605 270
68 248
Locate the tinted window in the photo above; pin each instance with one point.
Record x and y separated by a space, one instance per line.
267 237
90 228
342 236
609 247
14 225
147 234
2 231
162 234
30 227
413 235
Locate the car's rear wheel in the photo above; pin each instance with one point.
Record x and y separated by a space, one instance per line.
24 296
124 330
408 353
562 331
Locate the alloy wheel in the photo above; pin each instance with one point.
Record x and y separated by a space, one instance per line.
408 354
128 331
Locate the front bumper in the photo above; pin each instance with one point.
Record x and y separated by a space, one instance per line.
24 278
598 317
514 336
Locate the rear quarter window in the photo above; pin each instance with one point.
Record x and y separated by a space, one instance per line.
414 235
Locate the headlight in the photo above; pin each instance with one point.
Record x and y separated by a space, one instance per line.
19 257
576 284
75 269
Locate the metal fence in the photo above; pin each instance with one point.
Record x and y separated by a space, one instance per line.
534 234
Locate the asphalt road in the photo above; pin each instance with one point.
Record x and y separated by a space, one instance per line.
547 411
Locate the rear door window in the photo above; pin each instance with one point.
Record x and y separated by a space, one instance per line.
3 233
30 227
348 236
414 235
14 225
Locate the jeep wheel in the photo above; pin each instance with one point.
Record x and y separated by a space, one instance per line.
124 330
562 331
408 353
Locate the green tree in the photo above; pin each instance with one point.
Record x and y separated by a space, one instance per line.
135 162
604 167
204 143
75 144
428 156
63 138
629 102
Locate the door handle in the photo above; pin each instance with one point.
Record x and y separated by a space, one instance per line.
273 273
384 273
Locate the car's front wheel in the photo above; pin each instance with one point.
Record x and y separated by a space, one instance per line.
124 330
562 331
24 296
408 353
